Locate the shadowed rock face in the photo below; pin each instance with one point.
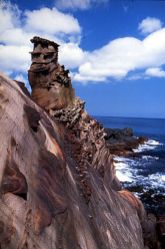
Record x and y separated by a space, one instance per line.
58 188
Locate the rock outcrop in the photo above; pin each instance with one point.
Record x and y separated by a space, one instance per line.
58 188
50 83
123 141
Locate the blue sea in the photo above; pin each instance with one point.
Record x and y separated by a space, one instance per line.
144 174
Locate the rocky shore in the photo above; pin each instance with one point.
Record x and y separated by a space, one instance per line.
58 187
122 142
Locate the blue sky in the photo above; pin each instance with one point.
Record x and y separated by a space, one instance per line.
114 49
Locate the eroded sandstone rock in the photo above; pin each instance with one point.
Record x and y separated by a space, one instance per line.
58 188
50 82
69 202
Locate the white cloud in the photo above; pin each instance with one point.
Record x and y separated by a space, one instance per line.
71 55
16 36
149 25
78 4
121 56
155 72
9 16
14 58
116 60
51 21
18 28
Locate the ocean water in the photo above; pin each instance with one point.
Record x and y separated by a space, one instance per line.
144 174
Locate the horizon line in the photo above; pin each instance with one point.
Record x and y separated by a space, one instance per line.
109 116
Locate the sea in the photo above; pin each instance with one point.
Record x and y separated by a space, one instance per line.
143 173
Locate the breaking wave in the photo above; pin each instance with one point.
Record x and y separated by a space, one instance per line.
141 170
148 145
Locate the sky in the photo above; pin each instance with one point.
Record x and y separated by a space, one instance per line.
114 49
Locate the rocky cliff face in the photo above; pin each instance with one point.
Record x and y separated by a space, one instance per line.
58 188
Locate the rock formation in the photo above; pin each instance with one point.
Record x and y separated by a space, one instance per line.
51 85
58 188
123 141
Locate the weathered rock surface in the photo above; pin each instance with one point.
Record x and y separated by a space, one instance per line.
51 85
58 188
49 198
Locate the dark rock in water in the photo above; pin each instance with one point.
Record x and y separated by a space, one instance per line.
118 133
153 202
141 140
138 189
58 187
122 141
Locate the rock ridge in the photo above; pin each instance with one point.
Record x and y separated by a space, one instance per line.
58 188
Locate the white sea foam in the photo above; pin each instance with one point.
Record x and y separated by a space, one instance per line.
157 180
123 170
123 177
127 171
150 157
148 145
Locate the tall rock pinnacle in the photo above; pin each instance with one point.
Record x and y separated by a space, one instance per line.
50 82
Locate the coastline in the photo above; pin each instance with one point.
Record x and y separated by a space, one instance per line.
127 148
129 152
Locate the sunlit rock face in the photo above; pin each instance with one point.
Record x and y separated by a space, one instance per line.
57 180
51 85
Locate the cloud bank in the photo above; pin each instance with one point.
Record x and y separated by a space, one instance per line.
19 27
114 61
122 56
